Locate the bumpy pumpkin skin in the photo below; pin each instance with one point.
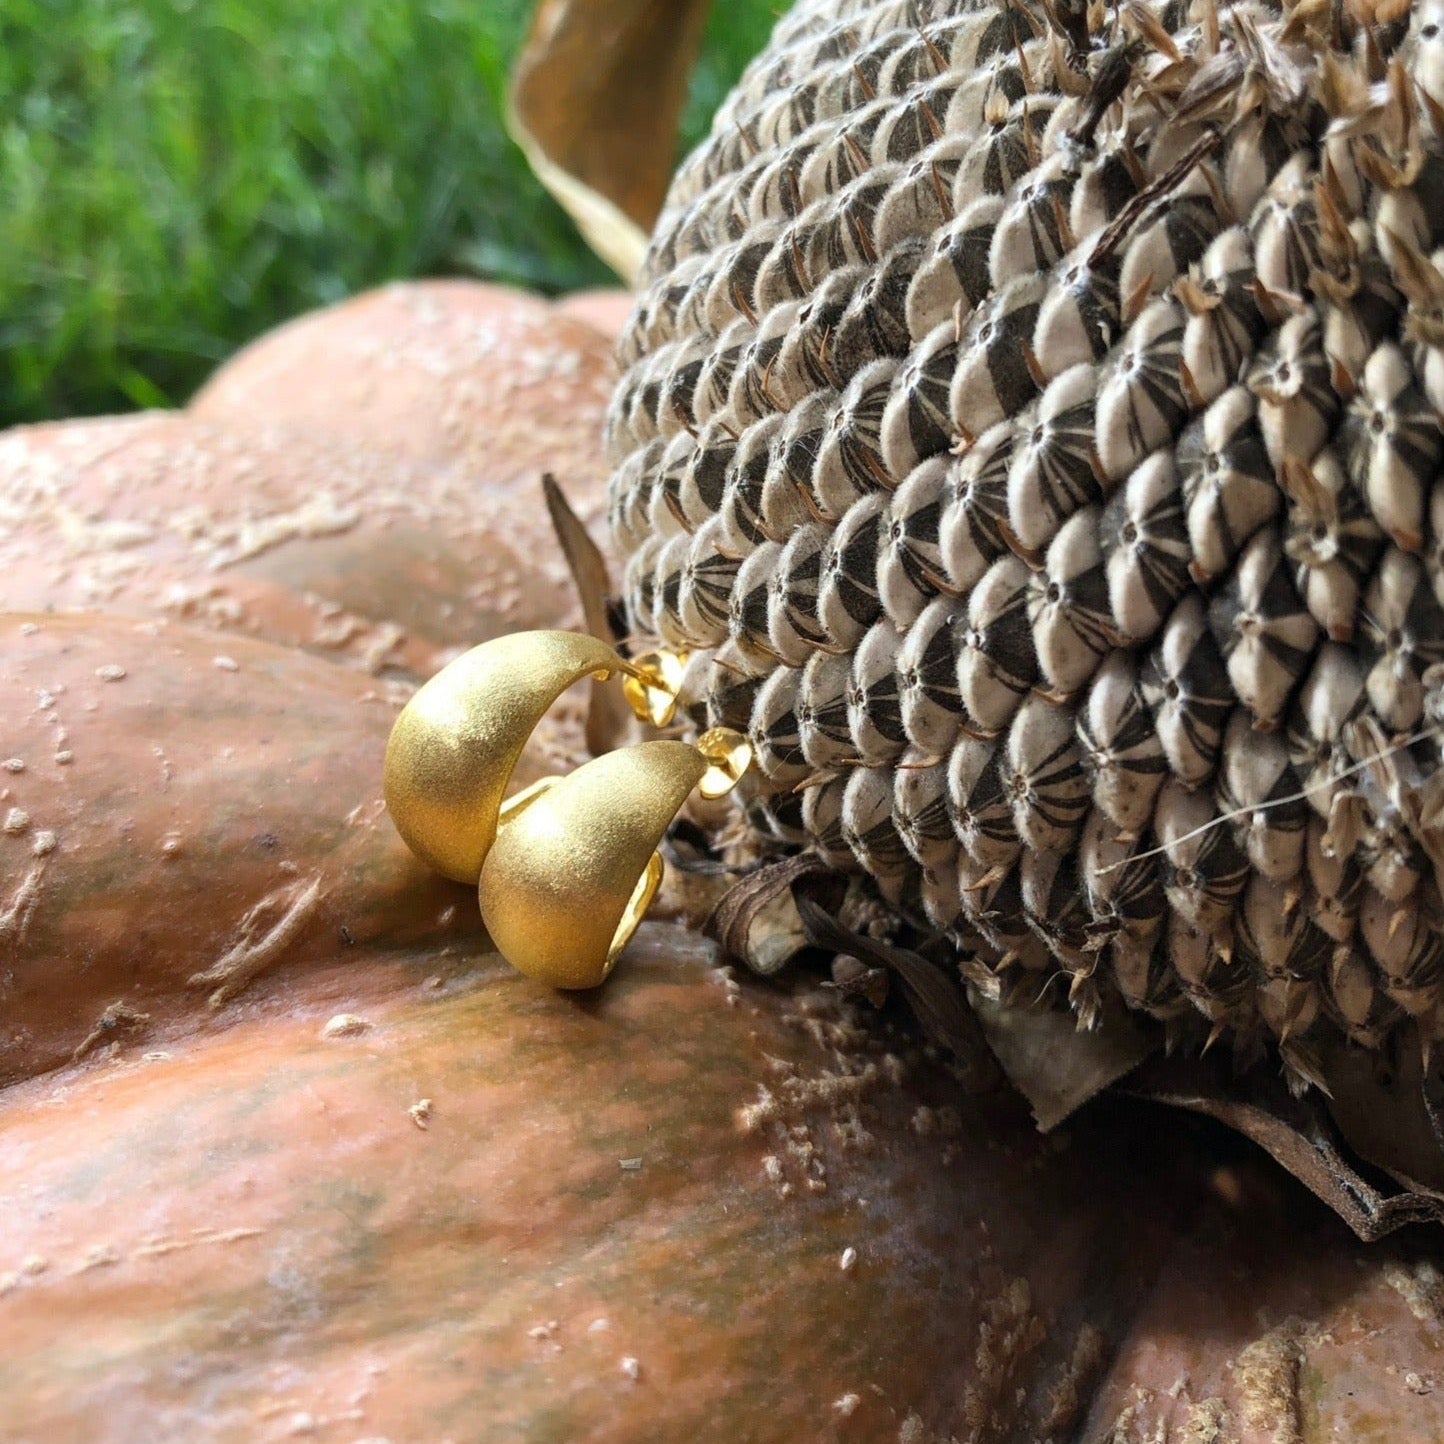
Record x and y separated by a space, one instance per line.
607 310
250 1228
387 533
306 542
265 1233
172 802
256 1229
435 372
1272 1330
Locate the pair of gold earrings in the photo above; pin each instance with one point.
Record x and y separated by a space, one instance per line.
567 868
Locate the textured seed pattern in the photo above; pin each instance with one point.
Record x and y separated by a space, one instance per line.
1031 427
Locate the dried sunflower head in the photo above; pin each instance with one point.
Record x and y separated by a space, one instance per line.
1031 426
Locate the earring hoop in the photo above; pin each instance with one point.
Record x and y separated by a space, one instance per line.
455 744
575 865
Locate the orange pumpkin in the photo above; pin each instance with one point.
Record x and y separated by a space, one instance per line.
314 1164
608 311
434 372
162 823
463 1218
363 484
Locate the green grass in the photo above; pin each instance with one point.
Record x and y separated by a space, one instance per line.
178 175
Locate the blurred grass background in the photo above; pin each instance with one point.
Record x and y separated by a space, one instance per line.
177 176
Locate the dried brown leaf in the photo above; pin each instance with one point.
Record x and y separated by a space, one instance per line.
595 100
1297 1133
1386 1107
758 922
608 717
1056 1066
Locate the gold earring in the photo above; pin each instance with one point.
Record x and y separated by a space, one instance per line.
575 865
453 748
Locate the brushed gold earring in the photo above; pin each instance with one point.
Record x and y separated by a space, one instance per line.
575 865
566 869
454 746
